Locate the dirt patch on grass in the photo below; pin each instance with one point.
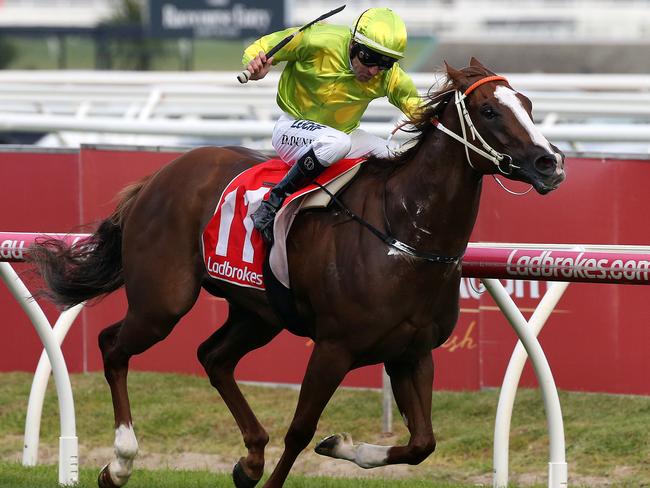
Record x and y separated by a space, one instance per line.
310 463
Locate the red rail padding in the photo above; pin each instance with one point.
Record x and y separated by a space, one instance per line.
558 264
14 245
509 261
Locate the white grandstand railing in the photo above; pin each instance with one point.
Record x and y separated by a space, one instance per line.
534 81
573 109
263 129
176 100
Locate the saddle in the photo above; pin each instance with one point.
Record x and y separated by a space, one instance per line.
234 251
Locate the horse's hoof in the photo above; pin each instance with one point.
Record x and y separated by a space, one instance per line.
330 444
104 479
241 479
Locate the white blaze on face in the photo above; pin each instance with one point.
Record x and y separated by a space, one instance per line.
508 97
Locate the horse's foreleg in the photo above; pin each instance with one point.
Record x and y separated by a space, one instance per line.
219 355
327 367
411 384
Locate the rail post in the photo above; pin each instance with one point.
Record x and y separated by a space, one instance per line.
39 385
68 442
557 466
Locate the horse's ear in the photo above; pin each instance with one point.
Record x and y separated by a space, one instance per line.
477 64
456 75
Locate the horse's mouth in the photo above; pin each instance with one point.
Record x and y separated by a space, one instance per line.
546 185
543 190
543 183
545 173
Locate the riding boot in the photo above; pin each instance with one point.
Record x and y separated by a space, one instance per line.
303 172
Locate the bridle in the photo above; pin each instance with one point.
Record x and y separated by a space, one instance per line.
503 162
487 152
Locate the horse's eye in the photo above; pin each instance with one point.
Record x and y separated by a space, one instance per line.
488 112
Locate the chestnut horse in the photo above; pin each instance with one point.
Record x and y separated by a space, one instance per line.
362 300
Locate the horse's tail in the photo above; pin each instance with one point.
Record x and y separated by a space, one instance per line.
91 268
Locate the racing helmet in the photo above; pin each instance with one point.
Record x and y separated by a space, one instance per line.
381 30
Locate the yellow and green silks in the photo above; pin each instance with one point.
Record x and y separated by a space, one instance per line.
318 84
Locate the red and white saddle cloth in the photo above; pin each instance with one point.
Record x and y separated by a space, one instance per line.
233 250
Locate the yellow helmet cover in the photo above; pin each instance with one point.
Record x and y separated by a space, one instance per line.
381 30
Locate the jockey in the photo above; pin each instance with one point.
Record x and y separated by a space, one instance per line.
332 74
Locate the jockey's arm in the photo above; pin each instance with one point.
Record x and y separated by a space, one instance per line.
254 59
402 93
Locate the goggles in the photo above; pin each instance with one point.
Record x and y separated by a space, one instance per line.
370 58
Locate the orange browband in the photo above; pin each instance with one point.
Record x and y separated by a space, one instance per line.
480 82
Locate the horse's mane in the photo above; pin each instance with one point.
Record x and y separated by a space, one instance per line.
434 103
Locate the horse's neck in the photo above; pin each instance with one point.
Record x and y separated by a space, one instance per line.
432 202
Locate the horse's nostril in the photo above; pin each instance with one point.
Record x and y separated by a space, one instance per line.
546 164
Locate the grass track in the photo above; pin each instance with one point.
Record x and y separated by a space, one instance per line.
15 476
608 437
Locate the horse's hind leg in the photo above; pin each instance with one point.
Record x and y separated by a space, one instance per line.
118 471
152 315
411 382
219 354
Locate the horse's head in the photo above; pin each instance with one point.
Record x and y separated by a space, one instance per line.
496 120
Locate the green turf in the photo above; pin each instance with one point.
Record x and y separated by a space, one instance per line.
16 476
607 436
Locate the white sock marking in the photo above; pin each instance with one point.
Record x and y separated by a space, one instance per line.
370 455
363 455
126 448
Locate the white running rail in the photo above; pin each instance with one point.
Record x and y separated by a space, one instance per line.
488 261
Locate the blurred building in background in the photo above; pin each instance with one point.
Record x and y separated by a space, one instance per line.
51 13
487 19
560 36
448 19
145 43
509 35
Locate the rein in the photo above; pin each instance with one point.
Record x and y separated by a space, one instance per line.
487 152
502 161
389 240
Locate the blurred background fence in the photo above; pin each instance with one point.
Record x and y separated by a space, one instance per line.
148 72
66 108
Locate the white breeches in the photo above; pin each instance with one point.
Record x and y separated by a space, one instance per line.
292 138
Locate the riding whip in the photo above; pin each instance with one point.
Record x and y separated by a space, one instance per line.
245 75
